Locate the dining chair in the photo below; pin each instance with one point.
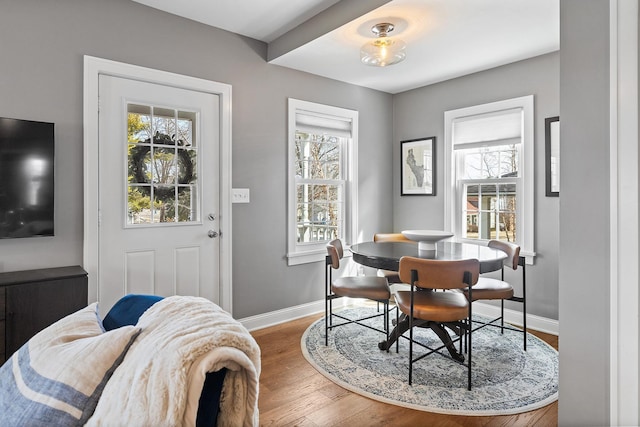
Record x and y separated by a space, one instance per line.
488 288
367 287
392 276
424 305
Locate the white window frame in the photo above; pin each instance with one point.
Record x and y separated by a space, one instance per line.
525 189
310 252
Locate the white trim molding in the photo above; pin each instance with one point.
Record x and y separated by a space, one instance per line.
514 317
277 317
93 68
624 345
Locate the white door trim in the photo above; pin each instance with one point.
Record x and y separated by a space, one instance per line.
93 67
624 364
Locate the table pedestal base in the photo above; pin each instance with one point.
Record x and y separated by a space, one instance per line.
439 328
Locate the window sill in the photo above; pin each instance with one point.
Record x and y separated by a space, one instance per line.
315 255
297 258
529 256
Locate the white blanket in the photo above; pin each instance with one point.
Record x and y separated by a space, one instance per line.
160 379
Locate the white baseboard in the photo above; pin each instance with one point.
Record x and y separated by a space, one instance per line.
264 320
281 316
514 317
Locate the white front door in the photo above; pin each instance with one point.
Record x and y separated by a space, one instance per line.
158 191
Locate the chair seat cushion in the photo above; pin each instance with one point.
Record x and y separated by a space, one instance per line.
488 288
438 306
371 287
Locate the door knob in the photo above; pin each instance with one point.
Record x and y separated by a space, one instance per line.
212 234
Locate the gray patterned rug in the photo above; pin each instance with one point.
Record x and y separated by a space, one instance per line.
505 378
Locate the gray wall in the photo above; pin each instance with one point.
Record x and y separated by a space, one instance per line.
584 213
41 74
41 50
420 113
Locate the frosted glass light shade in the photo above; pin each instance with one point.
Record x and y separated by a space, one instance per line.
383 51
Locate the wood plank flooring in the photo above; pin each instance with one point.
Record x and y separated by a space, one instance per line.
293 393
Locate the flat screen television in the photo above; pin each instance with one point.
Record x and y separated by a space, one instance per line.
26 178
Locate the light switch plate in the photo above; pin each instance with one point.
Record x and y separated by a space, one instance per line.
240 195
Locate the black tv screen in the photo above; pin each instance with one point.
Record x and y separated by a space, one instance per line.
26 178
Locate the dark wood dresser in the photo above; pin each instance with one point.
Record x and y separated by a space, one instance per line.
31 300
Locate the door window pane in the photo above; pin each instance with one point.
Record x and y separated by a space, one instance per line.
162 160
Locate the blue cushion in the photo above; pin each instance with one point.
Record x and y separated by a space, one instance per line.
127 310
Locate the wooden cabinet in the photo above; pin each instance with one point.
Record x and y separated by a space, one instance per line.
31 300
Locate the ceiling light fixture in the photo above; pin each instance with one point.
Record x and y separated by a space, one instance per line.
383 51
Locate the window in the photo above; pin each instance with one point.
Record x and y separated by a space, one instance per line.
489 176
322 192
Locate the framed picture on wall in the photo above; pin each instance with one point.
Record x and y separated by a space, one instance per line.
418 167
552 155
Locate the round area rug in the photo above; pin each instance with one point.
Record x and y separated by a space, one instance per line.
505 379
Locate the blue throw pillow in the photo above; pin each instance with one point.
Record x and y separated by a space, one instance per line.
127 310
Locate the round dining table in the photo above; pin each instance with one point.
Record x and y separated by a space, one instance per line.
386 255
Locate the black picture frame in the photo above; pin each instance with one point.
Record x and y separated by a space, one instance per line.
418 167
552 155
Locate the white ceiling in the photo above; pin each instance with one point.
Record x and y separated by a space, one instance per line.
445 38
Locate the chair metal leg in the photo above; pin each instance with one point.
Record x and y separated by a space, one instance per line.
326 320
410 349
502 316
386 320
327 299
469 352
398 334
524 312
469 361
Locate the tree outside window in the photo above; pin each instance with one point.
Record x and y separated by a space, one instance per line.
322 191
162 164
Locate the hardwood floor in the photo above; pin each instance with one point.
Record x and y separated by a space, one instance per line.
293 393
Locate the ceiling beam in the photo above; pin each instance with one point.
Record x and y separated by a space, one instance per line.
324 22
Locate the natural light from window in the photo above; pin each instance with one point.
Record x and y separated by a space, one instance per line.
489 172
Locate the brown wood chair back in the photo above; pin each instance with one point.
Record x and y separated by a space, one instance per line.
434 274
390 237
512 250
335 251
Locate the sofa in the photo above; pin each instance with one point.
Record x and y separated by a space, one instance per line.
152 361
